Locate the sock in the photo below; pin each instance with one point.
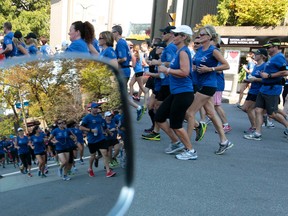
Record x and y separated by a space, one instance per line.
224 143
225 124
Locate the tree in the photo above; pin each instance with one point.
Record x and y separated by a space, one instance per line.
27 15
248 13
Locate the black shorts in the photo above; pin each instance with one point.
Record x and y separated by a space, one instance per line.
207 90
268 102
150 83
195 88
112 142
163 93
139 74
174 107
94 147
71 157
2 156
63 151
251 97
42 153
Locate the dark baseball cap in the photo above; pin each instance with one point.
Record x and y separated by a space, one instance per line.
272 42
31 35
261 51
167 29
17 34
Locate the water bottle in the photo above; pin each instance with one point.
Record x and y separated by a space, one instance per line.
96 132
162 75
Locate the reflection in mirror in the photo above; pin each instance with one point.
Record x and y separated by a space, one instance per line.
43 92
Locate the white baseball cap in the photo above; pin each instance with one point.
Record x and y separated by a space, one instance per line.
20 129
108 113
183 29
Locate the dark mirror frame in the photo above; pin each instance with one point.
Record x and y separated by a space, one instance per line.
127 192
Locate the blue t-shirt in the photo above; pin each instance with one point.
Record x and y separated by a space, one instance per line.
96 45
79 134
46 50
2 146
78 46
18 52
122 51
32 50
38 143
8 40
206 58
250 66
273 86
94 122
110 126
168 54
109 52
23 145
255 86
138 66
63 139
181 84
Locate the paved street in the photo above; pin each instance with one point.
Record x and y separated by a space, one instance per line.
249 179
51 196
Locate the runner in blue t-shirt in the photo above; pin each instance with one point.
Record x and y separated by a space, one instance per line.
62 137
106 41
37 143
32 43
248 70
123 54
8 46
95 125
207 60
176 104
81 41
21 143
268 97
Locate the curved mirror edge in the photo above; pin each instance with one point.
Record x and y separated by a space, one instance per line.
127 192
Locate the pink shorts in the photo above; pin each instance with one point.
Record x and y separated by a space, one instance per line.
217 98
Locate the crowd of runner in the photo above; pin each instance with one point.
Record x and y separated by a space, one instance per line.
178 74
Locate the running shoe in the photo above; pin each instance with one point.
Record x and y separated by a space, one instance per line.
187 155
224 147
253 136
66 178
151 136
227 128
29 174
113 163
286 132
200 131
43 175
60 172
91 173
269 124
110 173
174 147
81 161
140 113
250 130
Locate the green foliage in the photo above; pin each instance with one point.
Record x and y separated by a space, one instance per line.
27 15
248 13
241 75
6 125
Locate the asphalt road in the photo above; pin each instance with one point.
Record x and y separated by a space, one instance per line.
21 195
249 179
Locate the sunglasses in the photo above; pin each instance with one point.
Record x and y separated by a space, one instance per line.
202 34
197 43
164 33
269 47
177 34
101 38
